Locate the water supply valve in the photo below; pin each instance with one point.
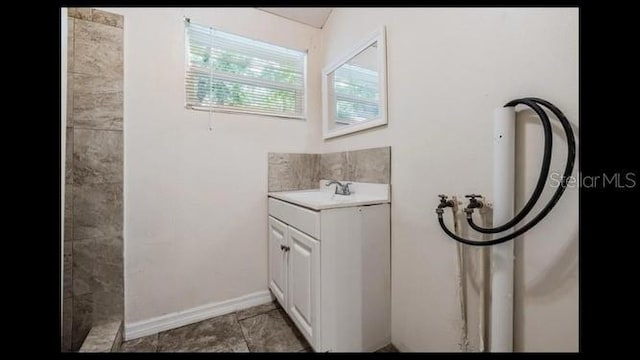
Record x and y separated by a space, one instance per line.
473 202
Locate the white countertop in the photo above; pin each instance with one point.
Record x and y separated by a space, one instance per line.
325 197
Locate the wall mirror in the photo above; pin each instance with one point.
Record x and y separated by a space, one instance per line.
354 89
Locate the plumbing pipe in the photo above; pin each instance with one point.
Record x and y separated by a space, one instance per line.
504 127
483 254
502 256
464 332
571 154
542 178
482 313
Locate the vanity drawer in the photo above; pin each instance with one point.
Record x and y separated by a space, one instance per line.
305 220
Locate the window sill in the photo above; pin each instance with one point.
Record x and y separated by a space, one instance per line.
240 111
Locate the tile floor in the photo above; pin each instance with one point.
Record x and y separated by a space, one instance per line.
263 328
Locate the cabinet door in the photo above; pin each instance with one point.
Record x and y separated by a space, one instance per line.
304 284
277 260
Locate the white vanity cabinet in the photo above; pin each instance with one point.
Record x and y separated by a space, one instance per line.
278 260
294 275
330 270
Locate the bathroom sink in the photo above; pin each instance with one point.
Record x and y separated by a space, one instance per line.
320 197
326 198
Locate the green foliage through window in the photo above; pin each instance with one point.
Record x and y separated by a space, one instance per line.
232 72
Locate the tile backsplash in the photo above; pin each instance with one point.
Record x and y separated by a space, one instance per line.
368 165
303 171
293 171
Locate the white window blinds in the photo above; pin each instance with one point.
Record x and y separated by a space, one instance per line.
356 92
232 73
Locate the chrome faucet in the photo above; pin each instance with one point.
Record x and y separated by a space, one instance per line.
343 189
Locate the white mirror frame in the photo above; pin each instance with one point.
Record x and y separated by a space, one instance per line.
380 37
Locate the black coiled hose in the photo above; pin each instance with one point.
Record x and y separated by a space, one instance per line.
544 171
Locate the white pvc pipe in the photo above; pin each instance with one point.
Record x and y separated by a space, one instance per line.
502 255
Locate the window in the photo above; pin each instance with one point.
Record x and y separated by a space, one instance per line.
227 72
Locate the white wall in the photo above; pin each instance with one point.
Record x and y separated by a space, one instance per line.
195 200
195 224
447 70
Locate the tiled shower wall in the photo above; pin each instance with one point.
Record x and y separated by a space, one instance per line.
93 249
304 171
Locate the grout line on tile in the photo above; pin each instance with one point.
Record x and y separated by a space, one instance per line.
252 316
246 342
157 343
82 127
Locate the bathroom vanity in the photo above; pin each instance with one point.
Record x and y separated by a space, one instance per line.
330 264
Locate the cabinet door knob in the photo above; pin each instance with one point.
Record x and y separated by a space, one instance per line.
285 248
282 247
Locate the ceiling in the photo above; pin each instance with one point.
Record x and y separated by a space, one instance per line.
315 17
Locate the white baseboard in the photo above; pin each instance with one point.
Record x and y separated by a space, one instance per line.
193 315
